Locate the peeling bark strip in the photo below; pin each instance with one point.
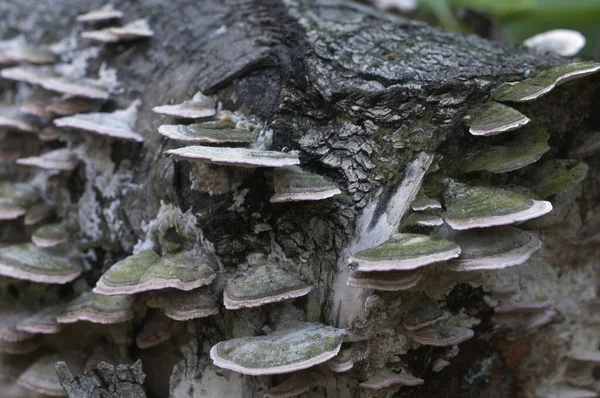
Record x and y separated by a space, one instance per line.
372 104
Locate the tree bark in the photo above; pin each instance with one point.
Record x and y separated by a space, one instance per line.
375 103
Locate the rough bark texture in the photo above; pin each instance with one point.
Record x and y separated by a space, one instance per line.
370 100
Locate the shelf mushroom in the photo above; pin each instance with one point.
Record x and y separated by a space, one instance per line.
292 184
11 117
441 335
200 106
494 118
469 206
241 157
97 308
106 13
59 159
296 384
558 175
289 349
43 322
16 199
388 379
205 133
564 42
50 235
18 50
184 305
26 261
423 313
385 280
138 29
146 270
267 284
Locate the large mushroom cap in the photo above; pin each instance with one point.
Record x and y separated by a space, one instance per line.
241 157
146 270
493 248
494 118
26 261
293 348
405 252
544 82
268 284
470 206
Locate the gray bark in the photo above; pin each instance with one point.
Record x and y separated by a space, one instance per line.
362 95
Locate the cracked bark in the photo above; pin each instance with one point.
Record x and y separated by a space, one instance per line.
362 95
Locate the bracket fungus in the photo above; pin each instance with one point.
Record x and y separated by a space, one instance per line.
290 349
11 117
184 305
97 308
423 313
292 184
423 203
26 261
146 270
388 379
43 322
385 280
420 220
405 252
343 361
106 13
138 29
241 157
526 148
41 376
50 235
199 133
470 206
544 82
38 213
492 248
17 50
267 284
11 313
564 42
71 106
59 159
200 106
16 199
441 335
494 118
118 124
558 175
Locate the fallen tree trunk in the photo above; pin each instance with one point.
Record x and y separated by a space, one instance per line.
378 105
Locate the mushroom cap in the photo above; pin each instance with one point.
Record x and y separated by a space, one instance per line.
564 42
418 220
11 117
544 82
41 376
71 106
235 156
58 159
492 248
38 212
104 14
385 280
512 307
441 335
200 106
146 270
526 148
287 350
157 329
97 308
296 384
43 322
137 29
494 118
28 74
118 124
293 184
183 306
470 206
387 379
267 284
196 133
49 235
424 312
423 203
26 261
11 314
343 361
15 198
17 50
558 175
87 88
405 252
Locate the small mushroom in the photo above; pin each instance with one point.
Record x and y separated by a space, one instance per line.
157 329
564 42
419 221
494 118
200 106
85 87
386 280
182 305
146 270
97 308
26 261
544 82
41 376
423 203
17 50
405 252
343 361
492 248
43 322
296 384
387 379
287 350
38 212
512 307
441 335
12 118
11 314
138 29
199 134
268 284
292 184
526 148
50 235
59 159
106 13
470 206
241 157
118 124
439 365
558 175
71 106
15 199
423 313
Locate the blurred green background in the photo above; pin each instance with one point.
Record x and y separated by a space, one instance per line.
516 20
